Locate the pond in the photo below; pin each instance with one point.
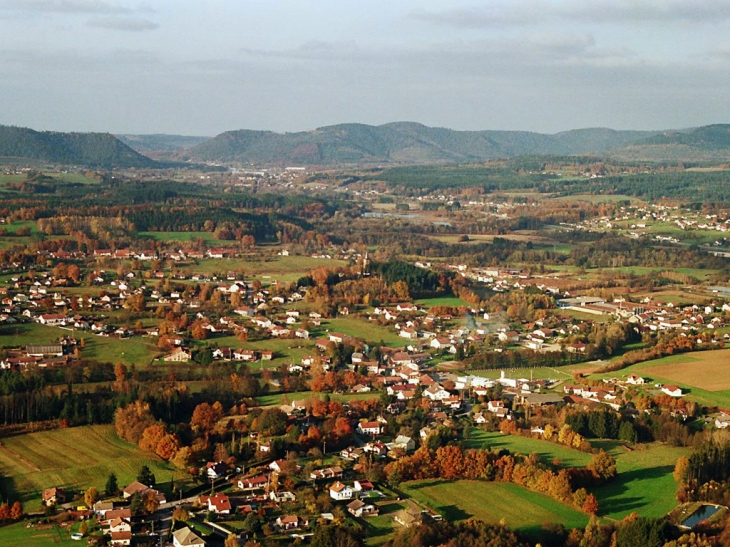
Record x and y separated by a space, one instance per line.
703 513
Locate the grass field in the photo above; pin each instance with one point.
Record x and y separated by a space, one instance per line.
539 373
282 268
361 328
526 445
17 535
453 301
644 483
75 458
178 236
137 350
491 502
284 398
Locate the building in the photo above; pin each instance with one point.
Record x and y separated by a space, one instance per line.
185 537
53 496
672 391
340 491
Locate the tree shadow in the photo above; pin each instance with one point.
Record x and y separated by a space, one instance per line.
612 496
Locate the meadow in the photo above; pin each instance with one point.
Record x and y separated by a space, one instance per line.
644 482
547 451
74 458
137 350
493 502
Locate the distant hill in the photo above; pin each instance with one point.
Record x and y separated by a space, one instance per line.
160 144
401 142
90 149
709 143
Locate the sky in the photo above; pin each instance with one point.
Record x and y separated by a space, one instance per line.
201 67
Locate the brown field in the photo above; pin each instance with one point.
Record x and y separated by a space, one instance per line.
705 370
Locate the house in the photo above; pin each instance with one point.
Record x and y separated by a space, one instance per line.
178 355
125 513
340 491
408 517
134 488
359 508
635 380
403 443
291 522
722 421
363 485
53 496
672 391
376 448
52 319
216 470
120 524
185 537
120 530
122 539
495 406
282 496
369 428
436 393
253 482
217 503
328 473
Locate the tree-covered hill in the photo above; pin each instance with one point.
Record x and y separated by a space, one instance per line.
707 143
159 144
400 142
90 149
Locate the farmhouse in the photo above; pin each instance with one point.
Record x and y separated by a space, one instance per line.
53 496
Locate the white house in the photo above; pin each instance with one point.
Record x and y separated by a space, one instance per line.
672 391
340 491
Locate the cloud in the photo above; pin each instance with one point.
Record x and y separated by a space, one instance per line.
528 12
63 6
128 24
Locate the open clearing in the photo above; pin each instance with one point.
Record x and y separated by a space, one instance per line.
74 458
492 502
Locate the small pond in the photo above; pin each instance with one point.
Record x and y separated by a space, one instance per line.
703 513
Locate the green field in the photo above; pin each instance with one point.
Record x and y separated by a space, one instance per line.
493 501
137 350
177 236
281 268
547 451
453 301
644 483
361 328
74 458
18 534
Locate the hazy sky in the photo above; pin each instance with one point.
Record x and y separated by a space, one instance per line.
200 67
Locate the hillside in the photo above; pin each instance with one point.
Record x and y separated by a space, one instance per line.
159 144
90 149
400 142
708 143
